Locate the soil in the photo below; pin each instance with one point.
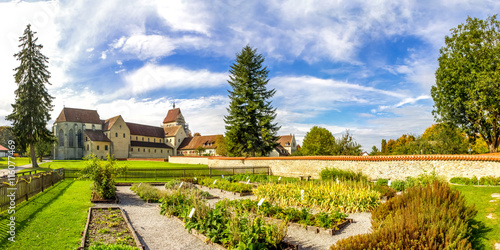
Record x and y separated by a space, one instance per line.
107 226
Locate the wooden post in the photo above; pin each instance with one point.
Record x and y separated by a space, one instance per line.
27 190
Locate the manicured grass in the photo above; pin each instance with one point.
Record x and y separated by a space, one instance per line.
53 219
18 161
489 231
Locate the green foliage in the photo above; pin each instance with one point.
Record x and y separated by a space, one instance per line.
225 185
375 151
222 224
432 216
250 127
466 93
334 174
263 178
220 143
31 110
485 180
111 247
102 175
146 192
318 141
5 135
200 150
346 145
385 191
289 214
382 182
398 185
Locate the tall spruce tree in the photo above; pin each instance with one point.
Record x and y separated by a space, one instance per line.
250 127
33 102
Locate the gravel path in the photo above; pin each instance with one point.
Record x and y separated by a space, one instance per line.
306 239
154 230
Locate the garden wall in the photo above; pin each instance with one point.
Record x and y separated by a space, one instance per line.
189 159
375 167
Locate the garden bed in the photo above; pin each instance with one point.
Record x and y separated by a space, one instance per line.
108 226
97 199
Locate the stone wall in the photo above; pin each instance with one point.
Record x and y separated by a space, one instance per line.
189 159
375 167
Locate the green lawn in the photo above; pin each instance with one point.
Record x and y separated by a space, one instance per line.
489 232
79 164
18 161
53 219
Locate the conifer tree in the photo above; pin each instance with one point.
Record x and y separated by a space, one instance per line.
250 127
33 102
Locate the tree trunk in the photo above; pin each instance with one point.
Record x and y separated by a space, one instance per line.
493 147
33 156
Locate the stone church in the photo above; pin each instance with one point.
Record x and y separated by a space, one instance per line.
81 132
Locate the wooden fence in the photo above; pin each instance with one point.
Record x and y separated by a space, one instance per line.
26 185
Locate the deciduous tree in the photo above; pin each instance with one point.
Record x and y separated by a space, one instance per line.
33 102
467 90
318 141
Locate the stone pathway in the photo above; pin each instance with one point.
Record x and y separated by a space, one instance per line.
156 231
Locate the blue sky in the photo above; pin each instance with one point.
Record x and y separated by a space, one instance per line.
366 66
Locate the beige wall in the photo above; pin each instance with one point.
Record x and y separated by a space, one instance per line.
147 152
119 135
92 148
188 160
393 169
146 138
192 152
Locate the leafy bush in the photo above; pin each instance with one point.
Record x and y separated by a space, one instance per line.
382 182
146 192
102 175
225 185
398 185
334 173
431 217
485 180
231 229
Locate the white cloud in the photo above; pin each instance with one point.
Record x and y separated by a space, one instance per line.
154 77
186 15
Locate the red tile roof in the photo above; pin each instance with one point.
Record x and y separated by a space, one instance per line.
191 143
171 131
148 144
108 124
145 130
285 139
172 115
78 115
96 135
2 148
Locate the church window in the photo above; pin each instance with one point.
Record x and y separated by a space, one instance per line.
161 151
71 138
144 150
131 149
149 150
155 150
88 147
93 127
61 138
79 136
148 139
136 138
116 134
106 147
154 140
97 147
142 138
178 140
123 135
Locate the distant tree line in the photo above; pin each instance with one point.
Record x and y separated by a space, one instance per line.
439 138
320 141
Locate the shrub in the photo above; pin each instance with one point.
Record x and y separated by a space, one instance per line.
398 185
102 175
385 191
146 192
382 182
485 180
430 217
334 173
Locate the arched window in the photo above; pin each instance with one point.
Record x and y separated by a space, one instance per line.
61 138
80 138
88 148
71 138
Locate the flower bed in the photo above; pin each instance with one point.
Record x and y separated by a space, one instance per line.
108 228
149 193
304 217
220 225
226 185
322 196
